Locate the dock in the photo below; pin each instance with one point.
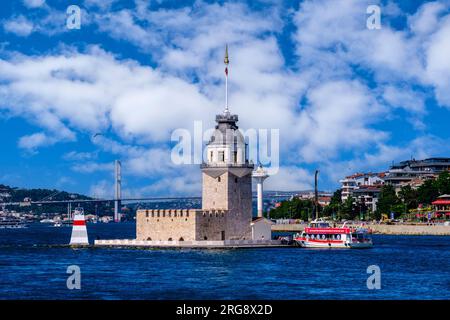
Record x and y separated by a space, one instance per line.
393 229
205 244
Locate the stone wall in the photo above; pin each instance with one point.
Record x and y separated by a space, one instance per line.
171 225
233 194
165 225
240 206
410 229
211 225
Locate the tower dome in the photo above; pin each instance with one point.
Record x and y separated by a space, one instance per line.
227 145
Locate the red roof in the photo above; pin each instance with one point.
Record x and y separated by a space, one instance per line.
441 201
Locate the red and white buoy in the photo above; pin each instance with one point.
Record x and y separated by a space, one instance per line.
79 231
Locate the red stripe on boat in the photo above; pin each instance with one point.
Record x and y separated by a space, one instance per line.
327 230
79 223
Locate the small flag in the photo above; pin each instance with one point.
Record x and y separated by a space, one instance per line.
226 71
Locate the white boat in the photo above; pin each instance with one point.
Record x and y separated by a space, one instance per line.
319 234
57 224
46 221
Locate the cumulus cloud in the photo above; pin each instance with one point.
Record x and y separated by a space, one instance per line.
20 26
94 90
343 81
33 3
338 118
35 140
290 178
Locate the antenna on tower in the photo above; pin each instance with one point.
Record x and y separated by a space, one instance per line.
226 61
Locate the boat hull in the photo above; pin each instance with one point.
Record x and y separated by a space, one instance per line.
332 244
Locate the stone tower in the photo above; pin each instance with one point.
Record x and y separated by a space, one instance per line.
227 173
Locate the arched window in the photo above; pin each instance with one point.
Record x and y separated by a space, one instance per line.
205 238
218 179
170 239
181 239
149 239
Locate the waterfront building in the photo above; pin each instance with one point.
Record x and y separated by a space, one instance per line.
442 206
261 228
414 172
367 196
358 180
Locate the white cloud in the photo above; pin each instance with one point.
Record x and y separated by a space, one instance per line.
20 26
404 98
338 118
426 19
322 105
289 178
35 140
438 62
90 167
103 189
91 91
34 3
79 156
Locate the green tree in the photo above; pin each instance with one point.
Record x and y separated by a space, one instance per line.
409 197
387 201
335 204
293 209
348 210
427 192
442 183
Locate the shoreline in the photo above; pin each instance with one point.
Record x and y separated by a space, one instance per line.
395 229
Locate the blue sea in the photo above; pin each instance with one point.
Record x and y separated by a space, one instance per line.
33 266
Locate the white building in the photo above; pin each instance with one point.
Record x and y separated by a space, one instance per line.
261 228
357 180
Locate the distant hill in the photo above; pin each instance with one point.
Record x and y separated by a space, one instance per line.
13 194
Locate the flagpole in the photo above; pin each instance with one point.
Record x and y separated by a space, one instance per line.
226 92
226 61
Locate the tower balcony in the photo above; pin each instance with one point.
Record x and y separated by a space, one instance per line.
247 164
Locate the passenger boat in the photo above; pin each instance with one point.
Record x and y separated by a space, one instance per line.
319 234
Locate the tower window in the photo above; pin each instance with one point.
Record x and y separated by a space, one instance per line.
221 156
211 156
236 180
235 156
218 179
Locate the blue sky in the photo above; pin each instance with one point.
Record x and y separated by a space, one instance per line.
345 98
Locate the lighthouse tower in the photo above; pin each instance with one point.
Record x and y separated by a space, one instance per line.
227 173
259 175
79 232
